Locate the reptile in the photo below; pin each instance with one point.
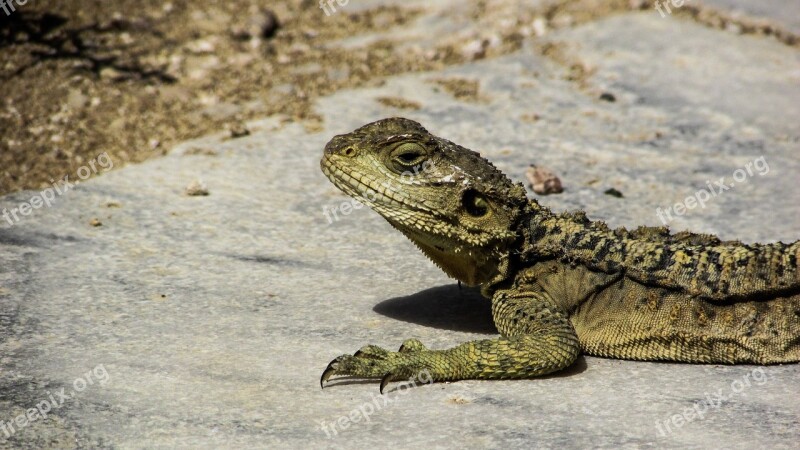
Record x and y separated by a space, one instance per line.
560 284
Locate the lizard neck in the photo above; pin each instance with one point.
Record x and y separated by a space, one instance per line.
549 235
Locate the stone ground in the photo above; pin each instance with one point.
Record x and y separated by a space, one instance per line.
175 321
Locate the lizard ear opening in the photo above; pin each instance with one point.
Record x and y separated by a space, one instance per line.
474 203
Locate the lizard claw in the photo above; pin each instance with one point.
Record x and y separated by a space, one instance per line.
328 372
385 380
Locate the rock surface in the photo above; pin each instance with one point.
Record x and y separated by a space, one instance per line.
206 321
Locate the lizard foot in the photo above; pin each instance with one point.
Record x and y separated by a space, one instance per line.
410 362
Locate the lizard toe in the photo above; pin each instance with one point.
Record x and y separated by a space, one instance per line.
412 345
372 351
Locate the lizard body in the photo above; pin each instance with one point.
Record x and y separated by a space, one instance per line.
560 284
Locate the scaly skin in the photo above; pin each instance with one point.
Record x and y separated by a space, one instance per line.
559 283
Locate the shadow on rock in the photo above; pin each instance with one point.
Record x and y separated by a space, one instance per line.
444 307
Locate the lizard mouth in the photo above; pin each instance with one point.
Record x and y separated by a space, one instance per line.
373 192
387 198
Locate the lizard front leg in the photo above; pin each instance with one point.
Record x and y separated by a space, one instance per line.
537 338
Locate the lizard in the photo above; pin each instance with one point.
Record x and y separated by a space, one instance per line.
560 285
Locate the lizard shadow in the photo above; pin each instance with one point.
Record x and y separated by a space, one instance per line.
444 307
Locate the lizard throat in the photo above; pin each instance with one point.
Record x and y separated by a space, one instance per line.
461 264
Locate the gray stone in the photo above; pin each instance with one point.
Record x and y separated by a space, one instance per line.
214 316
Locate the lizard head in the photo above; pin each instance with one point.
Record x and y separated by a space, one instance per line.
453 204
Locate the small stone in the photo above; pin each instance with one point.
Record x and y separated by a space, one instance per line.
475 49
613 192
237 130
265 24
493 41
539 26
76 99
110 73
543 181
201 46
530 117
126 38
95 222
608 97
197 188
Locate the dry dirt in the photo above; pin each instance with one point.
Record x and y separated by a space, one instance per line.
133 78
79 78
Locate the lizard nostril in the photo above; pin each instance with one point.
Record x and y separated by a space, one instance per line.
349 151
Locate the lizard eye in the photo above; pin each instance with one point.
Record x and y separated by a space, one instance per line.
408 155
475 204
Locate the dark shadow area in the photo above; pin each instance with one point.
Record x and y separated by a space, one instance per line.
579 366
93 47
444 307
20 237
264 259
